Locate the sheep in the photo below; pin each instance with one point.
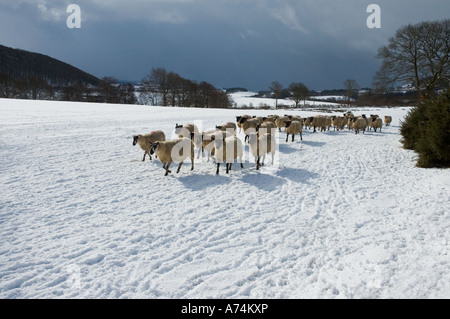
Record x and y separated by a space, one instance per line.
319 121
294 127
174 151
229 126
327 122
207 140
146 140
227 150
270 118
359 123
387 120
187 130
376 123
339 122
238 120
350 121
307 122
249 125
281 122
262 145
266 127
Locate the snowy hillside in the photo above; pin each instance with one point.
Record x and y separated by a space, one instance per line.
250 99
338 215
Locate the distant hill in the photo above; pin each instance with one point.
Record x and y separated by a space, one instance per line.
18 63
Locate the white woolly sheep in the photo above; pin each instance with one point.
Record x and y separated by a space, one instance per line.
319 121
238 120
145 141
387 120
266 127
187 130
227 150
229 127
249 126
294 127
307 122
207 140
262 145
339 122
359 124
376 123
281 122
174 151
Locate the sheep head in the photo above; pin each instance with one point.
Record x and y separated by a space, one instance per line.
135 139
153 147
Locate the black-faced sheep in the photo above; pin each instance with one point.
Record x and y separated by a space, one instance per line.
319 121
145 141
387 120
266 127
228 127
208 138
249 125
262 145
376 123
187 130
174 151
359 124
238 120
294 127
227 150
281 122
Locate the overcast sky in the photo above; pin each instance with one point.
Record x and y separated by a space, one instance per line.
229 43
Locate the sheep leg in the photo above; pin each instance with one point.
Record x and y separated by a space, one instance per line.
145 153
167 169
301 136
192 163
257 163
179 167
218 166
293 137
287 136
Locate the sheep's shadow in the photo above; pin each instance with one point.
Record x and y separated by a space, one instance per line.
262 181
287 149
201 181
313 143
297 175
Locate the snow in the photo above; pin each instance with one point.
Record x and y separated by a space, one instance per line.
338 215
250 100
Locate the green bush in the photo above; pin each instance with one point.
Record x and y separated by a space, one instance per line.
426 130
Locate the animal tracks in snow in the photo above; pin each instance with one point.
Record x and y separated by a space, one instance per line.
340 215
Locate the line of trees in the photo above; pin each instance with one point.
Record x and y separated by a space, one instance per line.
160 87
164 88
108 90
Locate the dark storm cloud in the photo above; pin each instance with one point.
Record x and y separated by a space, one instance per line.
246 43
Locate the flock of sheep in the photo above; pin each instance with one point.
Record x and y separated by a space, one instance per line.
224 146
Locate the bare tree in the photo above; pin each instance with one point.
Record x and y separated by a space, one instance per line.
300 92
276 87
419 55
156 84
351 88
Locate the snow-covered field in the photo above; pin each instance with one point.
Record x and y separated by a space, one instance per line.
250 100
339 215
